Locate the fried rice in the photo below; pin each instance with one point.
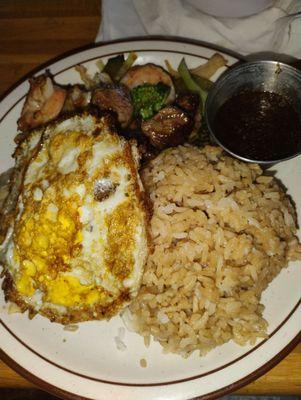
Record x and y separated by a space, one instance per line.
221 232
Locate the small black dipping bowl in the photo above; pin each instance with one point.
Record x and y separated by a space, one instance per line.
253 111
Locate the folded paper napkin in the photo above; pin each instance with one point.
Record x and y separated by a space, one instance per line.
276 29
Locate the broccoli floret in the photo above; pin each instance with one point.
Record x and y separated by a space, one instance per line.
149 99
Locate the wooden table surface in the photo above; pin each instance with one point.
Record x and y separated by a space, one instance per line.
34 31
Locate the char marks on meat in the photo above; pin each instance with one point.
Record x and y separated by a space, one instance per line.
188 102
169 127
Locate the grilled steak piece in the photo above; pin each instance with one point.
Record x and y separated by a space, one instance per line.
188 102
169 127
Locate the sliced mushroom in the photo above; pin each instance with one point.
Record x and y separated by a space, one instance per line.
115 98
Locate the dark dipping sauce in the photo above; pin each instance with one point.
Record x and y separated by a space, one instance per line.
259 125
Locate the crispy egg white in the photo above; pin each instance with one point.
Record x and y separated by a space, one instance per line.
76 245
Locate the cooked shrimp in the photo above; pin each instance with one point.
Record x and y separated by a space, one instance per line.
43 103
151 74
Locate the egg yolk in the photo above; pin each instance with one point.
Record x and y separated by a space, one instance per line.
48 235
68 291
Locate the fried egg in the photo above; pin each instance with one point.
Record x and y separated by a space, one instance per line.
75 241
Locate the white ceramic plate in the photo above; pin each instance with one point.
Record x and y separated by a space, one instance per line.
86 363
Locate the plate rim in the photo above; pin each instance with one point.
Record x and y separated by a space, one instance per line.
159 384
64 394
79 49
69 395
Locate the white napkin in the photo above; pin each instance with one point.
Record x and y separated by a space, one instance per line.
276 29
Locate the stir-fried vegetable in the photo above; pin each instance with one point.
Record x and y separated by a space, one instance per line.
98 79
190 83
158 107
116 67
131 58
149 99
204 83
100 65
205 70
113 66
210 67
82 70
